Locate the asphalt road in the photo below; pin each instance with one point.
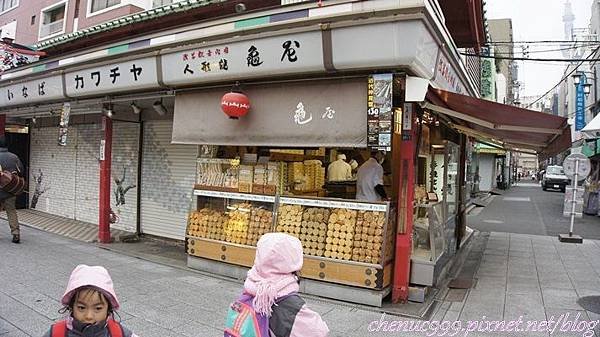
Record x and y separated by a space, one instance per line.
526 209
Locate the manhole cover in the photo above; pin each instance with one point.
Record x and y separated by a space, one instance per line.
590 303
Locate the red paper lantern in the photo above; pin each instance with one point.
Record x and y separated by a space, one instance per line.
235 104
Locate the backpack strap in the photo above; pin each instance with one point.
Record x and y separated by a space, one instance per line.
114 328
59 329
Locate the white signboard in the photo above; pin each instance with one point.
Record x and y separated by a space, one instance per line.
302 52
122 76
446 77
583 167
45 89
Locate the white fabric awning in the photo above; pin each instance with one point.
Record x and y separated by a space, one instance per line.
592 129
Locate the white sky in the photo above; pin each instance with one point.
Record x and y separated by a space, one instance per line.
539 20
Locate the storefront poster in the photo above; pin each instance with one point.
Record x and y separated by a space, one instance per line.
64 124
379 111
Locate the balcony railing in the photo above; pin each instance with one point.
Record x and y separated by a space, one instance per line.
51 28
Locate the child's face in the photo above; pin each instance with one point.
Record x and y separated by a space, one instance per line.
90 307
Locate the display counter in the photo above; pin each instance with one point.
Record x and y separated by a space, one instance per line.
345 242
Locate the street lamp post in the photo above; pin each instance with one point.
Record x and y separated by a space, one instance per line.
580 80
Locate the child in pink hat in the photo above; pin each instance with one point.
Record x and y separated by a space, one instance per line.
91 301
273 283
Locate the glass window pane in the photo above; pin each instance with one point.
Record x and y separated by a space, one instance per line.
103 4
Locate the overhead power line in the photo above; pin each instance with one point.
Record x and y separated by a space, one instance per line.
564 78
542 41
529 59
538 51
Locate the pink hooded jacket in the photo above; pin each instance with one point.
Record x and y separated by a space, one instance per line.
95 276
98 278
278 257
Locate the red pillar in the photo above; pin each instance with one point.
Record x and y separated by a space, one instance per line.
406 191
105 181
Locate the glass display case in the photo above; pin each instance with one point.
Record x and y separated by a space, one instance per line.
341 230
329 228
231 217
428 232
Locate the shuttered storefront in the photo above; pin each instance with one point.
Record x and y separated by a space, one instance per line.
70 174
124 167
168 176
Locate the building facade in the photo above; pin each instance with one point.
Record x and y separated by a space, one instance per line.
501 32
113 108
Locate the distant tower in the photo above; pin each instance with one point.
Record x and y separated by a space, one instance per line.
568 20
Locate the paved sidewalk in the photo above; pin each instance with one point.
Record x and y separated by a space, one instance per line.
535 277
157 300
532 278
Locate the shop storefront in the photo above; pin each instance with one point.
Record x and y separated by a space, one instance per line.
180 168
266 172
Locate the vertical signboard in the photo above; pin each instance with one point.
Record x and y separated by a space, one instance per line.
64 124
488 81
580 105
379 111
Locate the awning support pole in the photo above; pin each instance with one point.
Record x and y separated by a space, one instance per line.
105 173
406 191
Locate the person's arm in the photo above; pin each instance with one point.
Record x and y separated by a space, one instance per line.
20 168
309 323
379 183
381 191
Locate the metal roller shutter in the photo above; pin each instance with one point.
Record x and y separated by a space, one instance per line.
168 176
125 163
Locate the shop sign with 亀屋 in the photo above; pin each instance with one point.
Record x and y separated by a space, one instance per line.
300 52
122 76
379 111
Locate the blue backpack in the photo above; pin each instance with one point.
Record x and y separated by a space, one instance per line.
244 321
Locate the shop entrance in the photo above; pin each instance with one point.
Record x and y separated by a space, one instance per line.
18 143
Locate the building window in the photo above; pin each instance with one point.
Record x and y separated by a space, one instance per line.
6 5
33 20
160 3
52 20
98 5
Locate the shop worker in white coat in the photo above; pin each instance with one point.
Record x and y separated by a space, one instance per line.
369 179
339 170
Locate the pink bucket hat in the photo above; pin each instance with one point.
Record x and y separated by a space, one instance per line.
278 253
91 276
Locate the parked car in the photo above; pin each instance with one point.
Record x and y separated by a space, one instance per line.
554 178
